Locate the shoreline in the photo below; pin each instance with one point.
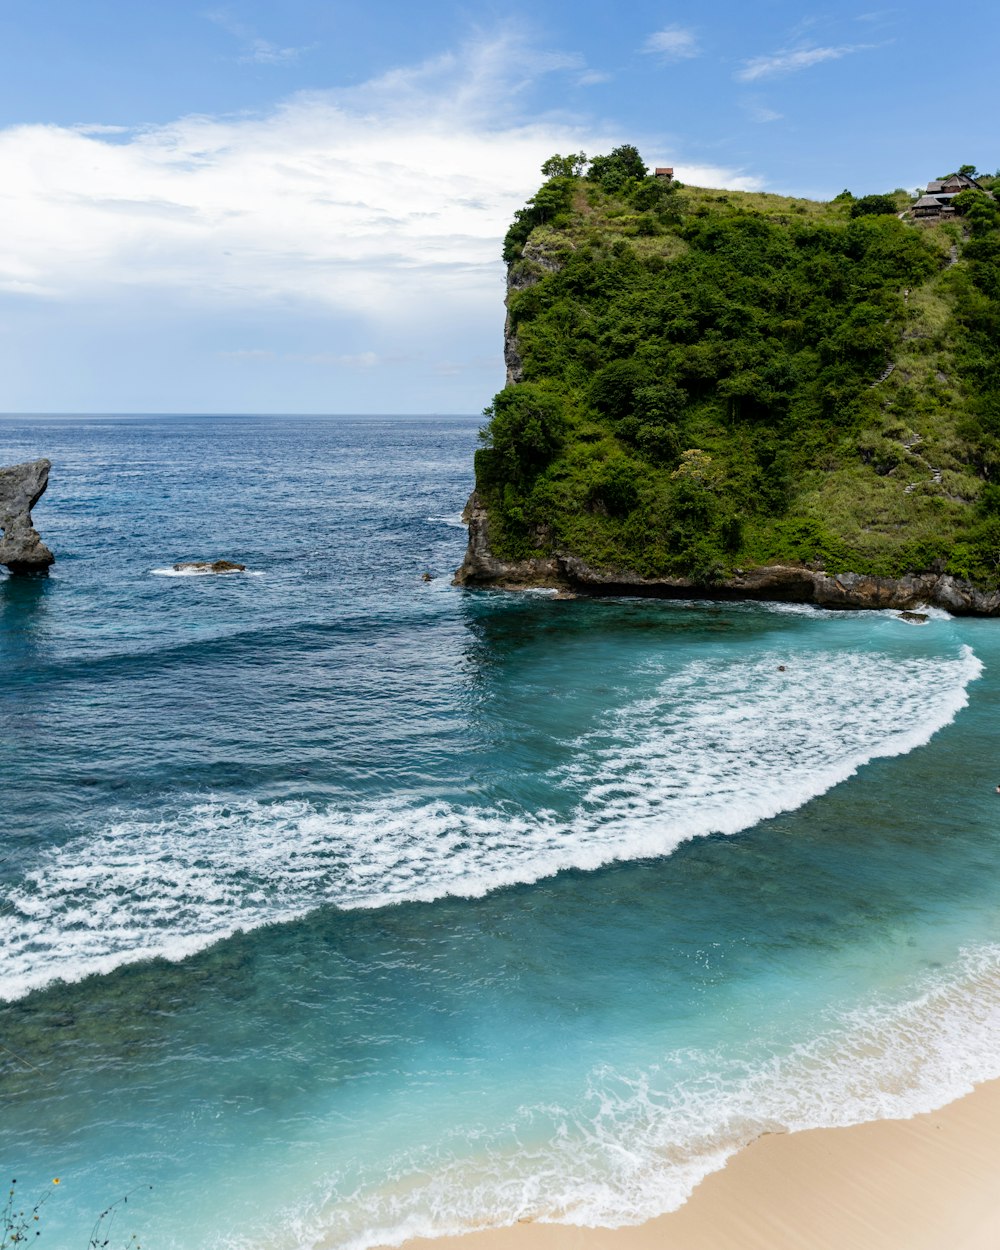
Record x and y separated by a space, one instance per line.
925 1183
782 583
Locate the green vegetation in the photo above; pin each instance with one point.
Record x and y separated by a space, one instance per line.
873 206
720 379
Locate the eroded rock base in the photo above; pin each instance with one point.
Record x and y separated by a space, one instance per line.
776 582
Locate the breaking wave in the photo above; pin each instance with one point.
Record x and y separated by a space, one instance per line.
720 746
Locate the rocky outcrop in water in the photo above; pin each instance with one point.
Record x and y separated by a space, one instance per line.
779 582
209 566
21 487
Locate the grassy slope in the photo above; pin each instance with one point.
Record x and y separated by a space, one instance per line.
884 478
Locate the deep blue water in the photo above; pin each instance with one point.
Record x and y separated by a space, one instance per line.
337 904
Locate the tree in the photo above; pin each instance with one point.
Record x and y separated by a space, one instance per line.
617 168
617 487
569 166
696 466
613 388
653 194
526 427
551 199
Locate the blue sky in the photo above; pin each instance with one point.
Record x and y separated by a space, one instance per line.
254 207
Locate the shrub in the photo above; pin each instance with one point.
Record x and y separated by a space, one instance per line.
613 390
617 488
873 205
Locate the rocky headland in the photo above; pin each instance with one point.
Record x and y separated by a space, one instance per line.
21 487
698 406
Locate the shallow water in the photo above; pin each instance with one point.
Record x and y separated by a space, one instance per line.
336 904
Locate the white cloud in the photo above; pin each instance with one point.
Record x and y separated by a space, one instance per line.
255 49
717 176
673 43
593 77
376 200
250 353
385 202
760 112
790 61
98 128
263 52
359 360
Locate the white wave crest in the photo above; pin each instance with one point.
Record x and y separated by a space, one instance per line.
453 520
721 746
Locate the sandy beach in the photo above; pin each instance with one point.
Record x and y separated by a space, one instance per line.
928 1183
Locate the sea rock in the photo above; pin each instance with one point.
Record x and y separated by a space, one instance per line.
209 566
914 618
21 487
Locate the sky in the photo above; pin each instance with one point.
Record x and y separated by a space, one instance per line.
299 207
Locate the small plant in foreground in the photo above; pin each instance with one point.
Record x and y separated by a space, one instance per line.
100 1234
17 1224
20 1224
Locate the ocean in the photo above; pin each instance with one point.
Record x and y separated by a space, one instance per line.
338 905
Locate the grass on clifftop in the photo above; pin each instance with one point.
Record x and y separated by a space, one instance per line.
715 379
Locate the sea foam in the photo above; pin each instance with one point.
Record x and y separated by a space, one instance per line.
720 746
453 521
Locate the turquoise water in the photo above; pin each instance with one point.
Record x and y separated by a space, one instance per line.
337 905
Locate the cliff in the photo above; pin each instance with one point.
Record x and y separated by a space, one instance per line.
744 395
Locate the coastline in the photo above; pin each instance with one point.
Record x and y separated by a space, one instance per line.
922 1183
781 583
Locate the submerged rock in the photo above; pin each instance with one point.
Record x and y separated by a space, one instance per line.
914 618
209 566
21 487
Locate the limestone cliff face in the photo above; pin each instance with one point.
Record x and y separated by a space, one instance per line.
511 354
21 487
535 262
